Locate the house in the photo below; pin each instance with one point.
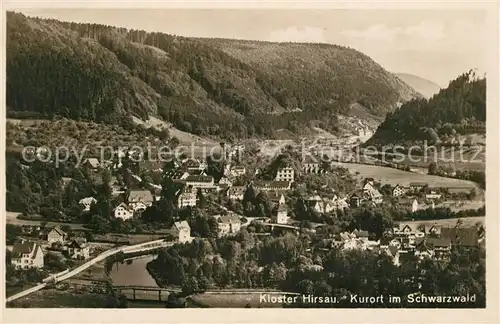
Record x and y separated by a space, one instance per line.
182 231
26 255
79 249
417 186
123 211
432 230
310 165
375 196
140 199
355 200
276 197
406 230
399 191
363 235
87 202
194 164
225 181
236 171
186 199
203 182
198 172
368 187
56 235
92 163
340 203
433 195
320 205
228 224
280 215
236 193
285 174
465 236
272 185
176 175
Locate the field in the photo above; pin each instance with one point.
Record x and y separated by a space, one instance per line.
394 176
467 221
53 298
232 300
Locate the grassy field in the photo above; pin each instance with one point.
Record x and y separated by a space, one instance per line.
53 298
467 221
233 300
394 176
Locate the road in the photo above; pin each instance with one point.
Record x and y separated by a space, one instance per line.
11 218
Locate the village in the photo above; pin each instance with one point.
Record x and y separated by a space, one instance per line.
193 183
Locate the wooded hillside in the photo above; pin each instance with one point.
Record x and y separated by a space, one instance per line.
205 86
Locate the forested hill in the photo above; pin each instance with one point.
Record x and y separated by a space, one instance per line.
204 86
458 109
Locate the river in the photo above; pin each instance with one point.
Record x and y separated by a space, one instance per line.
133 272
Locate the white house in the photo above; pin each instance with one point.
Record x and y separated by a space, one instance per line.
399 191
285 174
87 202
26 255
92 163
123 211
225 181
320 205
182 231
237 170
340 203
310 165
433 195
79 249
194 164
280 215
176 175
186 199
276 197
236 193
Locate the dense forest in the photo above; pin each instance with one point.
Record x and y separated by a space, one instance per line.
298 264
458 109
205 86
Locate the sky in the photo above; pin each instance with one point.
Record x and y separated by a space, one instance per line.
435 44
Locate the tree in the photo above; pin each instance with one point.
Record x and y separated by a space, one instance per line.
433 168
200 197
189 286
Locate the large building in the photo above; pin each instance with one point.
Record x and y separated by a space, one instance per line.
285 174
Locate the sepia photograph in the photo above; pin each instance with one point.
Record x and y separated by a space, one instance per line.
246 158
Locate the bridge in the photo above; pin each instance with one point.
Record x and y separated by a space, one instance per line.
146 293
147 246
